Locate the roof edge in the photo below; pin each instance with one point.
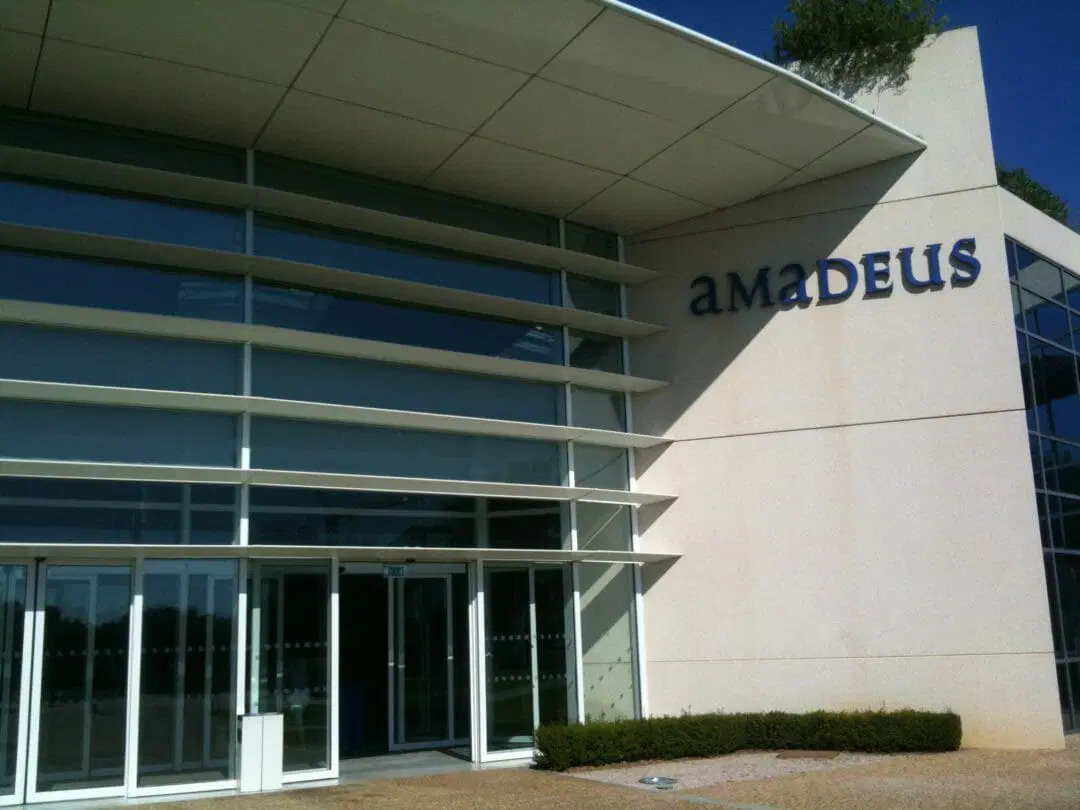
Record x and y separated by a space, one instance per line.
756 61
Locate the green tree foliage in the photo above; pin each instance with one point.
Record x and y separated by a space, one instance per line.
854 45
1020 183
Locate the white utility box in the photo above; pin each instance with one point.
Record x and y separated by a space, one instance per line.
261 752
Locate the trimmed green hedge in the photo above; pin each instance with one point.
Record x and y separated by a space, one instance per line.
708 735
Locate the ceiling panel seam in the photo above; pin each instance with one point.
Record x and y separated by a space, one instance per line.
37 62
532 76
289 88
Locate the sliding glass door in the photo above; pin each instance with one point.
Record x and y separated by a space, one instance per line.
79 726
529 653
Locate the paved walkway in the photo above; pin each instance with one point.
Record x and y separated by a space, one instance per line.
968 780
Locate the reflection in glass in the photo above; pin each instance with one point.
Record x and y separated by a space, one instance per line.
508 666
607 641
593 408
12 613
292 660
556 692
598 352
68 510
377 256
285 444
1068 577
1037 274
424 658
404 200
598 467
126 287
65 432
531 525
187 683
603 526
83 710
593 295
79 209
129 361
373 384
370 319
1056 394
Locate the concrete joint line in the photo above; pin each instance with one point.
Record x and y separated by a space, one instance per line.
718 802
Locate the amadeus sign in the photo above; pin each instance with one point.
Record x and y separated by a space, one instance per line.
876 273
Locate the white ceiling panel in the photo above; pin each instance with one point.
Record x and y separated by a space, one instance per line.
18 55
711 171
255 39
630 207
569 124
505 174
522 35
364 66
324 130
120 88
27 16
786 122
873 145
626 59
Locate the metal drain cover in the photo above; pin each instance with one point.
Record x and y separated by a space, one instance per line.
659 782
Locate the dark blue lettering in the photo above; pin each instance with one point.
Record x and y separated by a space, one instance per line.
852 272
705 303
761 283
794 292
877 277
966 266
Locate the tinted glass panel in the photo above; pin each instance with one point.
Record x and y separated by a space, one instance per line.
600 467
1055 616
41 430
353 316
132 288
1062 466
1018 309
603 410
607 641
43 510
528 528
77 209
1065 514
1072 289
84 139
409 201
1010 256
105 358
1068 575
599 352
592 294
377 257
603 526
369 383
1056 396
584 239
1038 275
1046 319
282 444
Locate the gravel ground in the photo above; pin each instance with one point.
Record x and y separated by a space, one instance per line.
699 773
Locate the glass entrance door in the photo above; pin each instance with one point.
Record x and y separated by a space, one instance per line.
79 728
430 658
15 621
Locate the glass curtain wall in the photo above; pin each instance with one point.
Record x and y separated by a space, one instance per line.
1046 307
13 595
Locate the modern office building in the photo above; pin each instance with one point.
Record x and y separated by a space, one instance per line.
422 372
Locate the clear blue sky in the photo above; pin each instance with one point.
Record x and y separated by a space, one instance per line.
1031 60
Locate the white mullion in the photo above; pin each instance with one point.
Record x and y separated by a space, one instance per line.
533 647
576 656
254 647
480 661
134 679
37 659
334 655
27 706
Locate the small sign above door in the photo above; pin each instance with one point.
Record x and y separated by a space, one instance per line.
395 571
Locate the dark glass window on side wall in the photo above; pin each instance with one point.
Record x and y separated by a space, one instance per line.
584 239
374 384
44 510
370 319
284 444
1055 388
121 145
403 200
73 208
109 285
593 295
346 250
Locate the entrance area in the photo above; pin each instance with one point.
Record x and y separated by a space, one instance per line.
404 663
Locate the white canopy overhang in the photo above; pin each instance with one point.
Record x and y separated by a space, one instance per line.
584 109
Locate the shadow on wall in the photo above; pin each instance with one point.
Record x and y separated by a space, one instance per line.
694 351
